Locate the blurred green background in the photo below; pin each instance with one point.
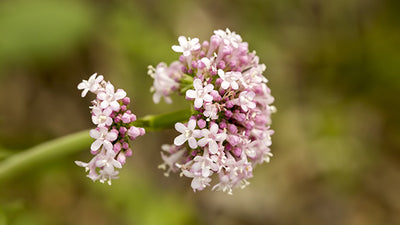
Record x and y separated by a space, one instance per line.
333 68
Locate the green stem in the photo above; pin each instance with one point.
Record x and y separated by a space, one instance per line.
163 121
57 148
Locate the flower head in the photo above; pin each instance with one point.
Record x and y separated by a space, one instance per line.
114 129
232 105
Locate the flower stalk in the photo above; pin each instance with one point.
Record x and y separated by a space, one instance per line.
57 148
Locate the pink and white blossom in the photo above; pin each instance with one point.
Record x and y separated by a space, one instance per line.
211 111
101 117
92 84
233 107
200 94
211 137
164 81
110 98
186 45
246 100
113 119
229 38
103 138
229 79
188 133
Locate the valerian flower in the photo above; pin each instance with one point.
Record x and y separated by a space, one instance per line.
232 107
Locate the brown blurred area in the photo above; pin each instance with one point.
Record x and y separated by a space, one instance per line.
333 68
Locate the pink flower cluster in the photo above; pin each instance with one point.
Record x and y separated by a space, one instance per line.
229 132
114 129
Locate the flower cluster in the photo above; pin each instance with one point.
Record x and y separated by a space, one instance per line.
114 129
228 133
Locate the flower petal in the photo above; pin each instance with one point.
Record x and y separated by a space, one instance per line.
234 85
111 136
198 102
203 142
120 94
191 124
82 85
197 84
96 145
208 98
177 48
225 85
94 133
180 140
107 145
191 94
180 127
213 147
192 142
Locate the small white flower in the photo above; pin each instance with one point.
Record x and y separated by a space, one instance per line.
92 84
229 38
186 46
91 167
200 94
108 163
188 134
211 111
210 137
246 100
163 84
199 182
103 138
229 79
171 160
101 117
110 98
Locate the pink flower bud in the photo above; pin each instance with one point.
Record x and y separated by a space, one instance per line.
126 118
222 125
122 130
117 147
205 44
194 64
233 139
237 151
117 119
123 108
215 95
221 65
228 114
126 100
133 132
232 128
201 123
142 131
240 117
229 104
128 152
121 158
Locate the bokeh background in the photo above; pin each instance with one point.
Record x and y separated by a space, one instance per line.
333 67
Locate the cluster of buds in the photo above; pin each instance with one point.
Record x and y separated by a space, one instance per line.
114 129
228 133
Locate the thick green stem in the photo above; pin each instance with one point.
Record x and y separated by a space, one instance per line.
44 152
72 143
